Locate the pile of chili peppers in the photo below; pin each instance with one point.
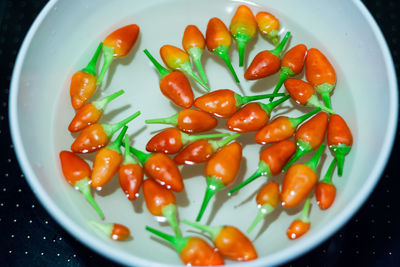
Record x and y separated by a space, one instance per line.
286 139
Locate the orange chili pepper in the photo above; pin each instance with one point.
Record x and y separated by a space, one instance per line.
224 102
301 225
118 44
218 41
160 168
252 116
130 174
115 231
243 27
91 112
299 180
339 139
97 135
192 250
76 172
303 94
281 128
107 161
267 199
161 202
266 63
325 191
221 170
200 151
171 141
321 74
229 241
309 136
189 121
272 160
173 84
83 83
292 63
268 25
177 59
194 43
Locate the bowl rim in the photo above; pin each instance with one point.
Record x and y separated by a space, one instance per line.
294 251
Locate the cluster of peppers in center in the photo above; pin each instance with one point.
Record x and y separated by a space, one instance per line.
223 156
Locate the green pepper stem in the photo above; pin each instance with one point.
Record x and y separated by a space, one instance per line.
102 103
179 243
303 147
306 209
213 231
262 170
128 159
84 188
195 53
241 100
328 176
340 152
213 186
274 37
222 52
105 228
220 143
314 102
326 97
91 66
172 120
169 212
269 107
313 163
286 72
110 129
108 54
142 156
116 145
325 90
296 121
262 212
187 68
278 50
161 70
241 40
186 138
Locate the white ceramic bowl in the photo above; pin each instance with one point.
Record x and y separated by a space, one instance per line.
62 40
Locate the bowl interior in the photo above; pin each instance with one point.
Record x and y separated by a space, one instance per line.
365 96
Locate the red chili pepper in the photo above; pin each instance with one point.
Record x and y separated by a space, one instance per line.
83 83
299 180
97 135
189 121
173 84
160 168
243 27
272 160
130 174
107 161
292 64
115 231
224 102
281 128
161 202
339 139
194 43
309 136
91 112
229 241
192 250
221 170
252 116
218 41
325 192
268 25
118 44
303 94
177 59
321 74
200 151
266 63
76 172
267 199
301 225
171 141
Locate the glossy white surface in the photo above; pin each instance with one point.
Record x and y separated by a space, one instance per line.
366 96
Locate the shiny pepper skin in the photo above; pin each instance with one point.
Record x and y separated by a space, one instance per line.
299 90
268 25
157 197
318 68
233 244
195 121
278 129
115 231
297 229
130 179
314 130
90 139
220 103
86 115
82 87
250 118
177 88
277 155
338 132
325 194
268 194
122 39
217 34
74 167
295 58
192 38
199 253
105 166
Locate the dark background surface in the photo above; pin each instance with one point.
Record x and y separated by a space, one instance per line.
30 237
